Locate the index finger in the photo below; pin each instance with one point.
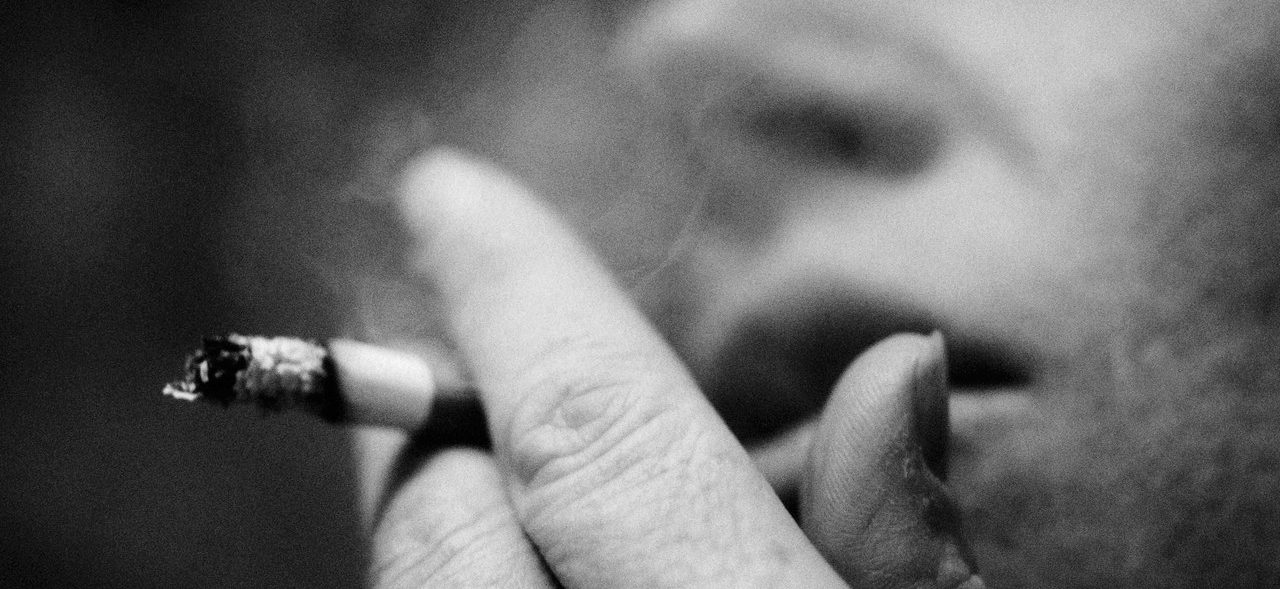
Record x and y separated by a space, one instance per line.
620 471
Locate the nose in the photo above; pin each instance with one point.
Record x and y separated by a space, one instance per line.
774 98
782 102
834 140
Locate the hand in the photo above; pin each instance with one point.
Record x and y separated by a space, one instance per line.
609 468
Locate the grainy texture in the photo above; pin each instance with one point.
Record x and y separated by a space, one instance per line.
274 373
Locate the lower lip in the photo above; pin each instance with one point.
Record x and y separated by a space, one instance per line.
974 411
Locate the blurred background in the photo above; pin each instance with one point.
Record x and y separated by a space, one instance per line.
175 169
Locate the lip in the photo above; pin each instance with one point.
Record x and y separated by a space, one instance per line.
979 413
775 368
776 417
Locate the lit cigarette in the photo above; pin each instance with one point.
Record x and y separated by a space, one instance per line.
340 381
344 381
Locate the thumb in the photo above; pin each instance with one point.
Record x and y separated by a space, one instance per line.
869 500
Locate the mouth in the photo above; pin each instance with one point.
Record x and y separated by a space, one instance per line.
775 368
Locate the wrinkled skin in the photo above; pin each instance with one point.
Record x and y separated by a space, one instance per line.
1082 197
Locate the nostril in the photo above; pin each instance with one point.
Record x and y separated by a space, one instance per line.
770 131
819 129
769 105
876 139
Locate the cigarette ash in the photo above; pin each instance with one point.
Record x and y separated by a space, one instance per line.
274 373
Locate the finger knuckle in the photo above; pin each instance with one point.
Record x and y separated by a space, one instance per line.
593 410
420 552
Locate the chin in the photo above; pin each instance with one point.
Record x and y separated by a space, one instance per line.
1147 466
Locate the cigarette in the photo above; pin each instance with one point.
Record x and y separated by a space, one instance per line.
349 382
340 380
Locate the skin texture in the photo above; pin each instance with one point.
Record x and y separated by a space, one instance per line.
1081 197
608 461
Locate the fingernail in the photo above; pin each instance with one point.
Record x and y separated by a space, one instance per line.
929 392
932 431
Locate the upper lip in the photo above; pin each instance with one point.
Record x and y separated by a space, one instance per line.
774 368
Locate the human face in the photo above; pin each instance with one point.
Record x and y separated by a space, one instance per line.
1080 195
1076 194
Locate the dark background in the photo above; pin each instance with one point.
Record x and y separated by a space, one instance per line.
174 169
